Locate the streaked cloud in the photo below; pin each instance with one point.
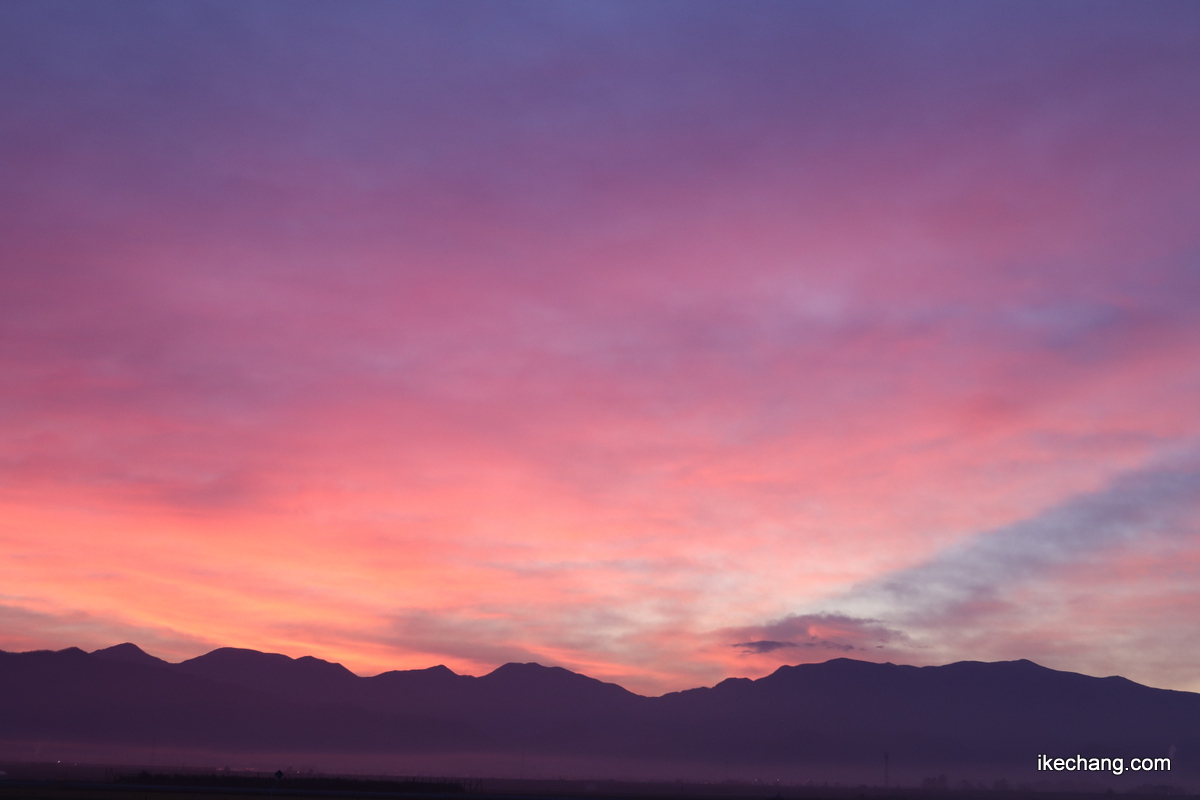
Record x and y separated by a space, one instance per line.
1144 507
1025 588
821 632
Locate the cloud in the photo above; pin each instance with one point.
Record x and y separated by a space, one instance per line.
1030 589
1161 502
583 336
828 632
768 646
29 629
763 646
463 636
1100 583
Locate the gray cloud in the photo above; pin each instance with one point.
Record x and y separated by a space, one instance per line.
1009 593
768 646
763 646
1032 589
1159 503
831 632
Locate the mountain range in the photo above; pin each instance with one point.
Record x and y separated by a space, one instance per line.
835 720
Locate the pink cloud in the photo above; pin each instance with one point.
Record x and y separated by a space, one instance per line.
597 342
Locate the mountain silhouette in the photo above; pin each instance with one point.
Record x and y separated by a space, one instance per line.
970 718
129 653
305 679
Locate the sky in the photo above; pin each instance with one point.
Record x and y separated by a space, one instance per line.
661 341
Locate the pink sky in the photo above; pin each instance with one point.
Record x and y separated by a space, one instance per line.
663 342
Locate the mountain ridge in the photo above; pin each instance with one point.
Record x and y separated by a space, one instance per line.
128 651
804 719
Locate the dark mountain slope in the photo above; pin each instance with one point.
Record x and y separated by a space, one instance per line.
305 679
71 696
998 716
969 711
130 653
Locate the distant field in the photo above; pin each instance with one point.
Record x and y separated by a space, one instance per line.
534 789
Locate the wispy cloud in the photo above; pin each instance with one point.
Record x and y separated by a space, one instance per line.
815 632
1042 587
768 646
1160 502
23 628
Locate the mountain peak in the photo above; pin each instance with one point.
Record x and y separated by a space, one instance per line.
235 654
534 671
519 666
534 679
274 673
127 652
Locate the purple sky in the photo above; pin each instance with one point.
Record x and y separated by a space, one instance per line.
663 341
